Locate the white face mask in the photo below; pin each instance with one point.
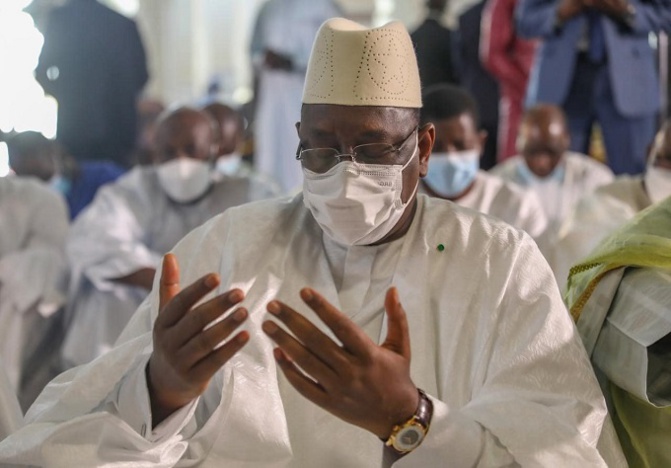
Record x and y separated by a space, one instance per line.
229 165
356 204
184 179
657 183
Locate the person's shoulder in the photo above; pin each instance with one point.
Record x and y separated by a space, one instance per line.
587 164
20 186
507 190
473 230
506 168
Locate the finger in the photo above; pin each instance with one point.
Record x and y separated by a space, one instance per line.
182 302
210 364
398 333
303 384
206 341
169 283
200 317
350 335
306 360
312 338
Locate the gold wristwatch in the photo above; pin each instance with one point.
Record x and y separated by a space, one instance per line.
407 436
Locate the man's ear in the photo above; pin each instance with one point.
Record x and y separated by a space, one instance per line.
427 136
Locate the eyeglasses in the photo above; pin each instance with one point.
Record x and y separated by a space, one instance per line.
320 160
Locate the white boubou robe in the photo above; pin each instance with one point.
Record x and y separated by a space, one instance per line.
493 196
595 217
129 226
288 27
582 175
492 344
33 227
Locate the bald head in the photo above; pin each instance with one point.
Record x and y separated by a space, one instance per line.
229 127
543 138
184 132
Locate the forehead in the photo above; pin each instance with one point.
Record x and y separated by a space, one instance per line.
189 127
336 120
461 125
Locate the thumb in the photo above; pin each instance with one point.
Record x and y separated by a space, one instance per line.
398 335
169 282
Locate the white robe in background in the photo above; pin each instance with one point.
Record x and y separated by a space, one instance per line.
33 227
11 416
593 218
495 197
492 344
129 226
288 27
582 175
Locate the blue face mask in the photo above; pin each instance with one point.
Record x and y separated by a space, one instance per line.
60 184
450 174
528 178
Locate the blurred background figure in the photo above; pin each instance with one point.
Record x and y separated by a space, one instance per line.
558 176
435 47
148 112
31 154
454 172
596 62
93 63
508 57
115 245
281 45
11 416
478 81
33 226
610 206
229 136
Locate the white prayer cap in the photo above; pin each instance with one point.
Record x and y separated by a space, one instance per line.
352 65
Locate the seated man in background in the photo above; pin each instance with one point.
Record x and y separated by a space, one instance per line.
33 226
116 244
454 171
612 205
32 154
546 166
504 379
229 133
620 297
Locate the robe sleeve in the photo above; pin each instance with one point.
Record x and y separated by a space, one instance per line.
537 392
108 239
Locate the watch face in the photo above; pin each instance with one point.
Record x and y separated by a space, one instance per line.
408 438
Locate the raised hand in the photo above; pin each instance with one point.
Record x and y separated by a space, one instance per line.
567 9
187 354
363 383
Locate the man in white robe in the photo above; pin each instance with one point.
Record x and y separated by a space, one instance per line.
454 167
280 47
612 205
33 227
116 244
229 131
486 337
546 166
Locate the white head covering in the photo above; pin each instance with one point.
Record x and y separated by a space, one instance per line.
352 65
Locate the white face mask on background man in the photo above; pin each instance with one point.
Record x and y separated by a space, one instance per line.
185 179
357 204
